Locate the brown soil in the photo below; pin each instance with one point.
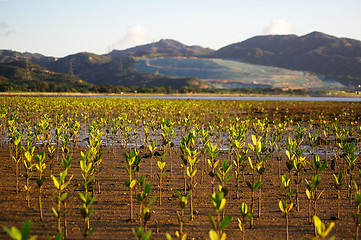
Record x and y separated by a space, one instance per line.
111 209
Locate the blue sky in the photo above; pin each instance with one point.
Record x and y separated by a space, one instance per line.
62 27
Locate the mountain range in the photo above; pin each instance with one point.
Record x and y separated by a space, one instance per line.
337 58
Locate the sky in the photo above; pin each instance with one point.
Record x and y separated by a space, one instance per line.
62 27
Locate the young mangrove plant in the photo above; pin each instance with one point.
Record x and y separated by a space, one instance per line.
286 209
144 203
240 154
20 234
191 172
350 158
322 231
212 162
312 194
186 143
85 211
245 217
223 177
286 192
338 184
356 215
182 219
86 166
218 224
131 159
15 137
298 162
28 164
161 165
140 234
60 196
312 187
259 149
51 155
152 147
204 143
40 166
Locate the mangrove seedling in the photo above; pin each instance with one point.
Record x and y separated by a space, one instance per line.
15 137
20 234
161 165
152 147
131 160
286 209
212 162
245 217
218 224
28 164
180 215
338 184
312 194
86 210
191 172
40 166
140 234
356 215
322 231
60 196
142 197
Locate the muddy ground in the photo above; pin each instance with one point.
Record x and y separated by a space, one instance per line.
111 208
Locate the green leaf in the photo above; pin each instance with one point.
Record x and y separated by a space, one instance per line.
282 206
132 184
225 221
14 233
228 177
291 193
213 222
256 185
244 208
56 182
151 201
308 193
91 231
147 188
168 236
59 236
55 212
147 235
213 235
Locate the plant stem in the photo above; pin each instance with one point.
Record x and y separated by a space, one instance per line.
287 235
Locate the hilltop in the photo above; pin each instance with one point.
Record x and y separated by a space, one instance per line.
315 52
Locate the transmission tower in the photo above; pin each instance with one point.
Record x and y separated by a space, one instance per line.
70 71
27 75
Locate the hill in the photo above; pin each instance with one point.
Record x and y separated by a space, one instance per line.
231 74
7 56
315 52
336 58
28 76
165 48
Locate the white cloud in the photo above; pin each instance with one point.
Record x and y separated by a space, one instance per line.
136 35
5 30
278 26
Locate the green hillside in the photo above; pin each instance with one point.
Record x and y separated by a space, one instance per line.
222 73
22 76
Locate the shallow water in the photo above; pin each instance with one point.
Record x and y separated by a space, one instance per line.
238 98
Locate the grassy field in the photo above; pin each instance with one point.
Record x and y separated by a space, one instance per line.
234 74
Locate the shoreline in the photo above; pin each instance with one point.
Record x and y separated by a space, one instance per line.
74 94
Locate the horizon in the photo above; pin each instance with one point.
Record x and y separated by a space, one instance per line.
100 27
